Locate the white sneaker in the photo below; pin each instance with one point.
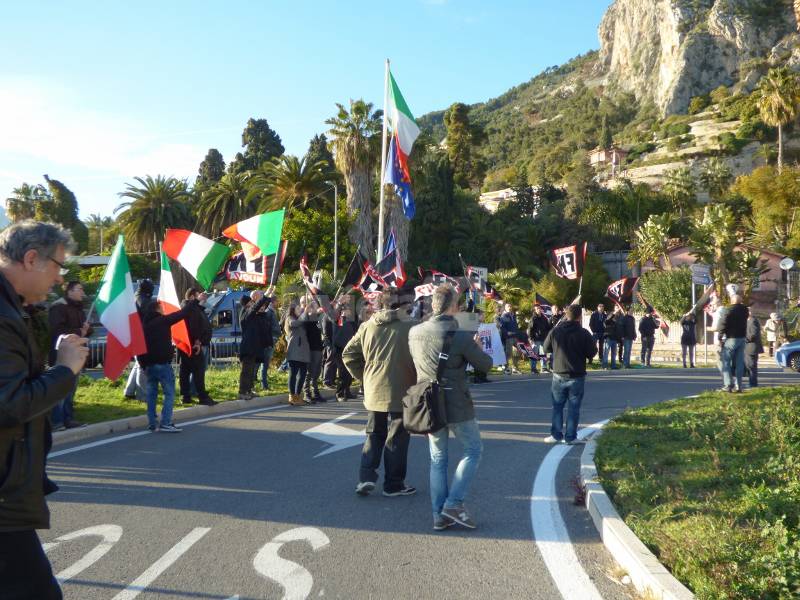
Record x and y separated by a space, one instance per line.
551 440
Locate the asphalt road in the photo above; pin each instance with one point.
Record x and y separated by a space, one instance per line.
251 507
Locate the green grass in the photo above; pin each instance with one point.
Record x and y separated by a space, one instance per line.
712 486
100 400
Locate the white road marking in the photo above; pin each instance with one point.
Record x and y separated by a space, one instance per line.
296 581
162 564
339 438
550 532
110 535
129 436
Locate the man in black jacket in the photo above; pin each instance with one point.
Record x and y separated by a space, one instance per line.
733 327
572 346
343 331
32 255
597 327
251 348
537 332
647 329
314 336
626 328
193 366
753 347
137 380
157 364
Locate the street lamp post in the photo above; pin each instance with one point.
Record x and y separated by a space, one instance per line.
335 227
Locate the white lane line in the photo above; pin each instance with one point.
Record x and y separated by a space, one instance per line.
550 532
162 564
129 436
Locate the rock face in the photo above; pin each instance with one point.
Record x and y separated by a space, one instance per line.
668 51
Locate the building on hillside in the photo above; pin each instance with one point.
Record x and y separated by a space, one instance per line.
494 201
602 158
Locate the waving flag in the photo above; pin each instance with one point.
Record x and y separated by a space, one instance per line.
201 257
568 261
390 268
404 132
168 299
547 306
621 291
263 231
116 308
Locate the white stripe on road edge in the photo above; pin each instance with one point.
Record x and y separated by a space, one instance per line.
129 436
550 532
162 564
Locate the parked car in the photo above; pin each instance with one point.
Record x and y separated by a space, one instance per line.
788 356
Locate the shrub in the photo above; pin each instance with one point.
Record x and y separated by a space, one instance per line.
755 130
641 148
670 292
673 144
673 129
698 104
719 94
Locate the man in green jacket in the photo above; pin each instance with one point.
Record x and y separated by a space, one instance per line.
379 357
427 341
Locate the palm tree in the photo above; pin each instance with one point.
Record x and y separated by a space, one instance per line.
155 205
713 240
681 188
22 202
355 140
652 242
716 177
225 203
287 182
778 99
97 223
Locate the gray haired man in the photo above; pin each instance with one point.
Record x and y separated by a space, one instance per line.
427 341
32 259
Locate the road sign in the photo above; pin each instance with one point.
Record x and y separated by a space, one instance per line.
702 279
700 269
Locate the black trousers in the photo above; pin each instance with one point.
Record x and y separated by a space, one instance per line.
648 341
751 366
247 376
192 369
345 379
328 366
385 435
25 572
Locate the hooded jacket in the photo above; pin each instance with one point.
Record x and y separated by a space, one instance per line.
379 356
571 346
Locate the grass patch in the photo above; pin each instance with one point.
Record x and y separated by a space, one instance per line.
100 400
712 486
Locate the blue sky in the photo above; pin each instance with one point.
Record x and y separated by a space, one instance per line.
96 93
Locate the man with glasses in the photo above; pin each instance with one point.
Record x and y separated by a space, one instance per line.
32 255
66 317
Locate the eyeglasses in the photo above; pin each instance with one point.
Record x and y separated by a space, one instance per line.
63 270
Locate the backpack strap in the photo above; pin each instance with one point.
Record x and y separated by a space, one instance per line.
444 354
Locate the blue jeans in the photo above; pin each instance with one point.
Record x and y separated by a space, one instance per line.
164 375
626 353
297 376
565 389
268 351
63 412
610 346
733 359
469 436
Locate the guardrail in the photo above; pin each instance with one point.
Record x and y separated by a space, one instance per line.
222 352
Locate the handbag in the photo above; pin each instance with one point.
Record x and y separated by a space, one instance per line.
424 403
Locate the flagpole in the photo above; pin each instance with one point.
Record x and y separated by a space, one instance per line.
383 162
275 264
358 252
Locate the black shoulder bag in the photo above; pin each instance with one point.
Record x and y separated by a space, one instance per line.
424 405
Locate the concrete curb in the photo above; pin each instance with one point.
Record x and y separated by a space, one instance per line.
181 414
647 574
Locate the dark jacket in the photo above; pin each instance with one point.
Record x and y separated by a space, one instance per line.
571 346
426 341
734 322
688 331
253 342
648 326
197 323
597 323
27 394
539 328
555 319
314 335
753 344
65 317
610 328
507 324
271 326
158 336
378 355
626 327
343 333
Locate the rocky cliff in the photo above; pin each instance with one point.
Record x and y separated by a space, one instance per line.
668 51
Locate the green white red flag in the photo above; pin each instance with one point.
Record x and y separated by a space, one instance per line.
201 257
168 299
263 231
116 308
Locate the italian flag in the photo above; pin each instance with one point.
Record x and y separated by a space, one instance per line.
168 299
116 307
201 257
404 127
263 231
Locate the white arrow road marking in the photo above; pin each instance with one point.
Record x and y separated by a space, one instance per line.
162 564
294 578
110 535
340 438
550 532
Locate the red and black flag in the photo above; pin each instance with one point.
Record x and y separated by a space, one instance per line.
307 279
547 306
476 281
390 268
568 261
621 291
370 281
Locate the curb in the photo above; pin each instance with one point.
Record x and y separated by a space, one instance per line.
648 575
182 414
